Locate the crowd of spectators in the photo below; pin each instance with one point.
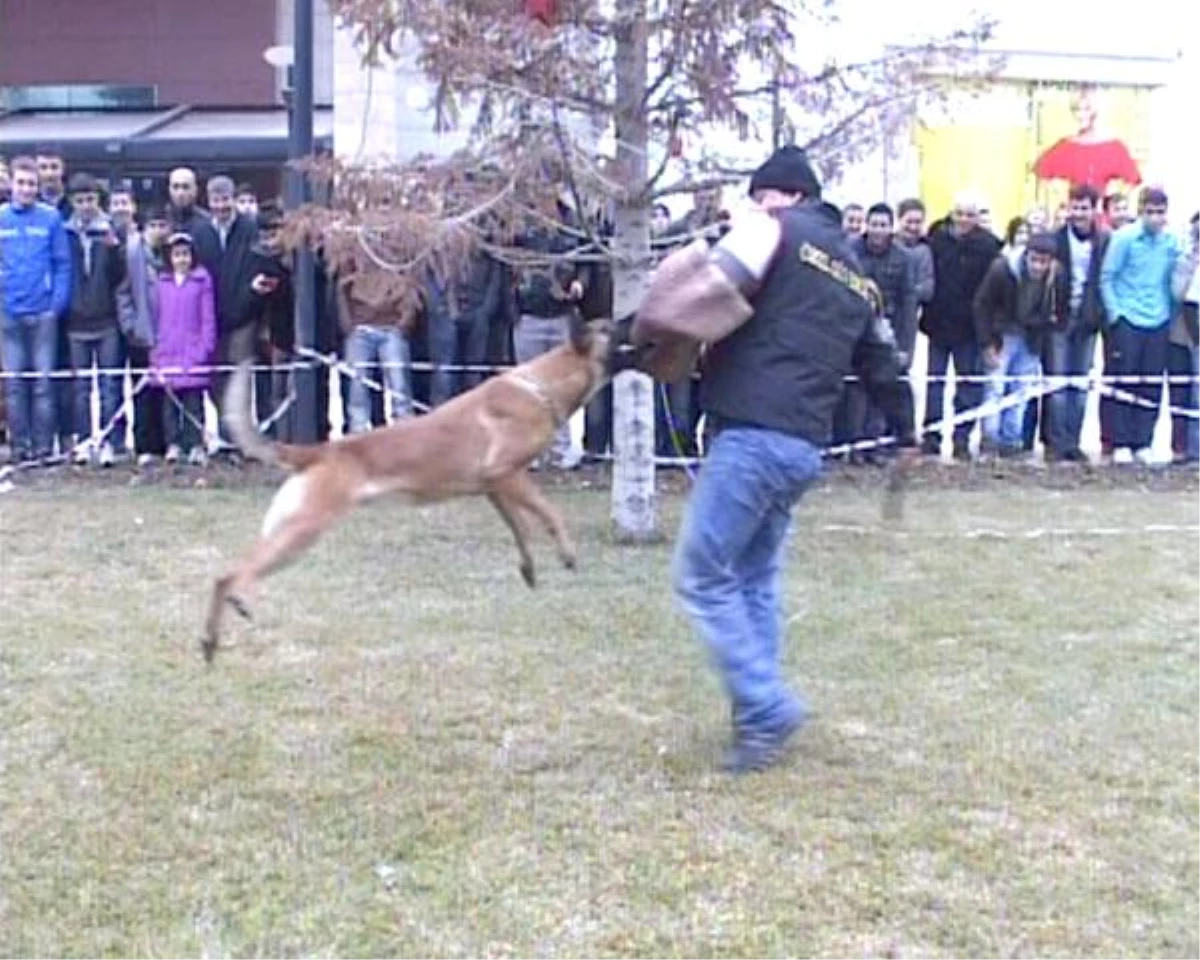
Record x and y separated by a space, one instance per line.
88 278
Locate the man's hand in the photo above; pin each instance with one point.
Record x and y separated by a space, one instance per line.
263 284
991 358
575 290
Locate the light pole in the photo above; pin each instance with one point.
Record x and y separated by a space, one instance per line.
298 95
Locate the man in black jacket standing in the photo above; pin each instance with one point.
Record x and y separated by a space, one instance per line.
962 252
223 245
769 389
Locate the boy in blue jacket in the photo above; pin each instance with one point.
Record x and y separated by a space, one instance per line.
35 288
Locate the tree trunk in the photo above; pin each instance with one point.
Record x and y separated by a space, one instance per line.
634 502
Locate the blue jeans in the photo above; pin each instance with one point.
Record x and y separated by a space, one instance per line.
105 350
729 559
461 340
1185 431
31 346
1006 429
1067 355
387 346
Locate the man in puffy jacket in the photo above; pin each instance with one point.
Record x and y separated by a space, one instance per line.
35 284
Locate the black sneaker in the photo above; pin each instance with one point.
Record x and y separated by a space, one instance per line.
758 748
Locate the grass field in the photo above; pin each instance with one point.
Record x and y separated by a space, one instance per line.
410 754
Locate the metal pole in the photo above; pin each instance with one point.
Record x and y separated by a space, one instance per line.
304 280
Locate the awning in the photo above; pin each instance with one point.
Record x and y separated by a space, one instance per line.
235 137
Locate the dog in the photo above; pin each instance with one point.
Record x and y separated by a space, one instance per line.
481 442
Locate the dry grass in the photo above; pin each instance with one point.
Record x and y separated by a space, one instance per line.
411 754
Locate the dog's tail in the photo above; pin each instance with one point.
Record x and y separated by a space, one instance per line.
245 433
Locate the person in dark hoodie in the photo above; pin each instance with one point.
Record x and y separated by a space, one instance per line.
271 309
1014 309
962 252
769 387
93 329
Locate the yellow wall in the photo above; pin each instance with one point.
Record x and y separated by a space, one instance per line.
991 148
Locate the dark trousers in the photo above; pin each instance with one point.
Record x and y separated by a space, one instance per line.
966 394
597 423
148 434
1142 353
1181 362
182 420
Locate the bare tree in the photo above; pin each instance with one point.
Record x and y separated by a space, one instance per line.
541 83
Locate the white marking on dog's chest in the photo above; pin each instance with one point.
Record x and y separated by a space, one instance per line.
287 502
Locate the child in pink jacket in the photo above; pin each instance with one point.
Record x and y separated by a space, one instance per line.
187 339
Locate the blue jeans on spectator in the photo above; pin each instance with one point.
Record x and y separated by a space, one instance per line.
461 341
1067 355
31 346
1019 362
966 394
105 350
387 346
1185 430
729 559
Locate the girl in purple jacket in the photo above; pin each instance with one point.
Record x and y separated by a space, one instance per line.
187 339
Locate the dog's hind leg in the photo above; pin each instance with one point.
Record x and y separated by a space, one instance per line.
512 516
520 490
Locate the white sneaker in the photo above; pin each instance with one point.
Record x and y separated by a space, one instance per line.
1145 456
82 455
198 457
173 453
145 459
107 457
1122 456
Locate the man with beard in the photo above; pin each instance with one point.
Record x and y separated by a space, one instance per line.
1079 316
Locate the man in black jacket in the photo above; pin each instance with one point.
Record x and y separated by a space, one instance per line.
890 267
1079 316
546 295
223 246
769 388
93 331
962 253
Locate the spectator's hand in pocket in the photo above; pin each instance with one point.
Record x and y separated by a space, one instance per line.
991 358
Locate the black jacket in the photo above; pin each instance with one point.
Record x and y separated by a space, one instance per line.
893 272
230 268
1009 302
1091 315
537 295
813 324
959 265
94 279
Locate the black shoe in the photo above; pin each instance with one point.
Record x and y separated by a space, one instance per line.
756 749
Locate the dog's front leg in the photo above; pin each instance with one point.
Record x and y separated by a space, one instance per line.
520 490
511 514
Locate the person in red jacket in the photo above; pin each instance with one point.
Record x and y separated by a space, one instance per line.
1088 157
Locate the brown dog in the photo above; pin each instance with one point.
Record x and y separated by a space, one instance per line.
481 442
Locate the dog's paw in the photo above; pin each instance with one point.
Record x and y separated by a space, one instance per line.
570 561
208 647
528 575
